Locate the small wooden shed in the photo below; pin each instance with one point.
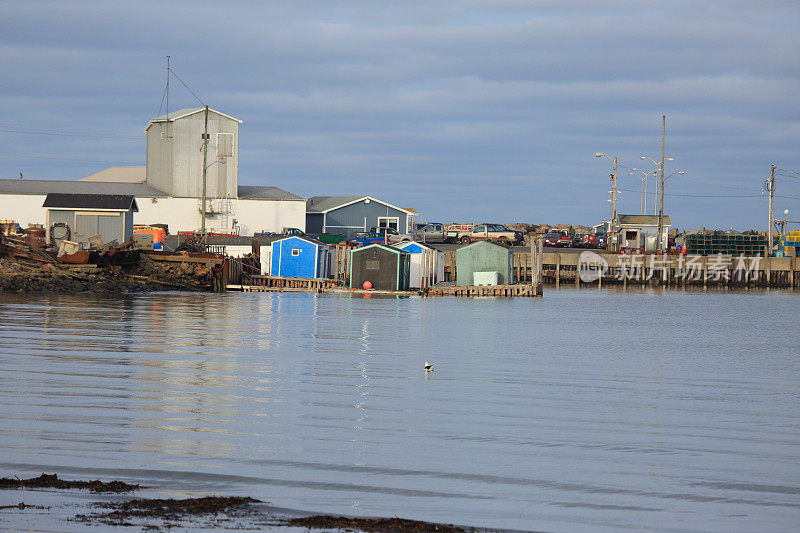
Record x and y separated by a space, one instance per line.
484 256
427 264
386 267
79 217
300 257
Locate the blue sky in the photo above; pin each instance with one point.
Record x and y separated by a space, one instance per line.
464 110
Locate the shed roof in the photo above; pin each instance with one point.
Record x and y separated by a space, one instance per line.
642 220
484 243
258 192
78 187
172 116
307 239
323 204
405 244
111 202
120 175
383 247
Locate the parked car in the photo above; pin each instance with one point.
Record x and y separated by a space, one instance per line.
364 239
584 240
392 234
493 232
552 239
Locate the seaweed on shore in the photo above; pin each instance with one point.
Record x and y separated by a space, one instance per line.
372 525
238 512
53 482
215 510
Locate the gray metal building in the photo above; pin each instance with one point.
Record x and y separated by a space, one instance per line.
353 214
86 215
175 153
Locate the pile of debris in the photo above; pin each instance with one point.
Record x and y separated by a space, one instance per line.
28 265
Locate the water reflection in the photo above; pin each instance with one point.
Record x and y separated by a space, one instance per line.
582 410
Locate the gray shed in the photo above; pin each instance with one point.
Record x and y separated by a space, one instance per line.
483 256
78 217
353 214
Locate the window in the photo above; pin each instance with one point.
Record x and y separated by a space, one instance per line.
295 251
372 264
389 222
479 229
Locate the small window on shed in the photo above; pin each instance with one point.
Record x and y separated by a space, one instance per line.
295 251
224 144
372 264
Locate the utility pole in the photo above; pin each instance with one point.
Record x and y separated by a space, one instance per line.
205 156
661 208
614 192
771 199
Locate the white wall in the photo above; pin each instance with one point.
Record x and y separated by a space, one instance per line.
270 215
181 214
24 209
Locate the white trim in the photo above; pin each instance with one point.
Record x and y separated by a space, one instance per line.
361 200
200 110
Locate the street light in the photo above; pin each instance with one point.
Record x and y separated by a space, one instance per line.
658 165
613 191
645 175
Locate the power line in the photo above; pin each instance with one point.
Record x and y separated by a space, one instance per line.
67 134
25 156
703 195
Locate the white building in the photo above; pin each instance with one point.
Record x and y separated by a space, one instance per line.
169 189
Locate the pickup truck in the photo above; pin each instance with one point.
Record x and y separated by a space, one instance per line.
433 232
491 232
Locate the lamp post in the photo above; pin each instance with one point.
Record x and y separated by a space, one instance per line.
645 175
661 208
783 227
613 178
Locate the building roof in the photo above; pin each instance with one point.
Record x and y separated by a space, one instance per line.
323 204
120 175
111 202
642 220
257 192
172 116
78 187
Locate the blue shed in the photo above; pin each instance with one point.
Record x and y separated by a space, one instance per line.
298 257
354 214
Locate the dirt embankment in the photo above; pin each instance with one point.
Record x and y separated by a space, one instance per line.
146 275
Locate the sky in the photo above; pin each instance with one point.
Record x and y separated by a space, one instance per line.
465 111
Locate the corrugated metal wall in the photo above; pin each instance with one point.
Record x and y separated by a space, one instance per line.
350 219
175 161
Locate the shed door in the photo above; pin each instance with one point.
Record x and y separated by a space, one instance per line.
85 227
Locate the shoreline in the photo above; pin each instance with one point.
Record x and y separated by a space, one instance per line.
114 504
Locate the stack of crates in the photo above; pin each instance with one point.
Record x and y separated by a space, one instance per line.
789 243
709 244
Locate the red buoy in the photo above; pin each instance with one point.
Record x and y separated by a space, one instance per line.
367 285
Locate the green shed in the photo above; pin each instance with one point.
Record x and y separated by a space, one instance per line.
483 256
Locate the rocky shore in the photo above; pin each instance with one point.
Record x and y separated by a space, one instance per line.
147 275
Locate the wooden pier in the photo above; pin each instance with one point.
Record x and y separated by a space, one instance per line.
523 290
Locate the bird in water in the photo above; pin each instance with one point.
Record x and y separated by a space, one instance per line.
428 367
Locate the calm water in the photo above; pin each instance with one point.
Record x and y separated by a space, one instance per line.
581 410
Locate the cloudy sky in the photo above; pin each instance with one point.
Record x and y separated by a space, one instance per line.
465 110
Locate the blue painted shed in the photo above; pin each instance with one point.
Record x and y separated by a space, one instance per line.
298 257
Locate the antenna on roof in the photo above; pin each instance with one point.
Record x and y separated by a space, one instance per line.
167 93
